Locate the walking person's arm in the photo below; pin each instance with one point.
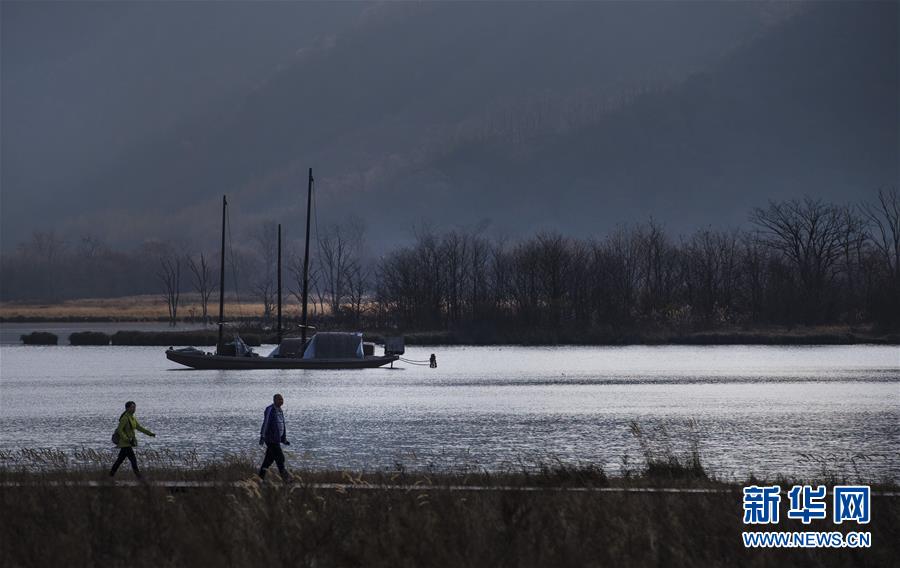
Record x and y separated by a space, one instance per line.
142 429
265 425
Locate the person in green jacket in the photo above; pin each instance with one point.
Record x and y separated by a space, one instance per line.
127 438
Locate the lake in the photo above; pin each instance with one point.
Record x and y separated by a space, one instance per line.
752 409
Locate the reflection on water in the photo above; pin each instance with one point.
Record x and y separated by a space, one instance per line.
757 409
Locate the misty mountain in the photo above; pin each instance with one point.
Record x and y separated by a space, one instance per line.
569 116
81 82
810 108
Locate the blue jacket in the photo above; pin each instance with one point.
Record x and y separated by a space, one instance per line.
269 432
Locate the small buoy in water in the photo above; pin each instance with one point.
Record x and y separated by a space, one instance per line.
433 361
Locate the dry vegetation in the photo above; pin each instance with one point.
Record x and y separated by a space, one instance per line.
130 308
423 523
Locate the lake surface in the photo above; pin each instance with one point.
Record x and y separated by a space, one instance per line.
752 409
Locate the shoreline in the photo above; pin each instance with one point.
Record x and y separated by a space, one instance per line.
126 314
255 336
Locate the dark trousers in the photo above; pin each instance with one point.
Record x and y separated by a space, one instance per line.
273 454
125 453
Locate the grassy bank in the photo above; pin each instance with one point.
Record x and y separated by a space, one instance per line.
301 525
419 521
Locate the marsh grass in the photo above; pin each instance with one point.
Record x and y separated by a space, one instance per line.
299 525
245 523
661 461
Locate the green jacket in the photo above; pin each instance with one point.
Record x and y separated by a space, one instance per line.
127 426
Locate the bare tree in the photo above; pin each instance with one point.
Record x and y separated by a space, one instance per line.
499 275
621 266
710 273
295 287
884 218
338 253
358 279
169 275
455 252
396 289
754 262
317 298
202 274
478 274
810 234
658 265
553 265
430 295
264 285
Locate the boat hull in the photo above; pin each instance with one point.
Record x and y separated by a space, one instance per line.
225 362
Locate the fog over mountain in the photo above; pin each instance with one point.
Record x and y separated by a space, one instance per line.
130 121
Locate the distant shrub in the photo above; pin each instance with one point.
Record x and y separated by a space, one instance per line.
40 338
88 338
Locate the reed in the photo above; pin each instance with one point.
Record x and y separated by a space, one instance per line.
248 524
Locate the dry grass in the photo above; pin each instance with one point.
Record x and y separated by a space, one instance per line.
130 308
300 525
248 524
126 308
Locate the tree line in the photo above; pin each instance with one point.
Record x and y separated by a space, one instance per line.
799 262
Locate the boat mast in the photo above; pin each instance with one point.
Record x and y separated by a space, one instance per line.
306 260
222 280
279 283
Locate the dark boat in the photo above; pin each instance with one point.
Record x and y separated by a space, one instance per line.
331 350
207 361
197 359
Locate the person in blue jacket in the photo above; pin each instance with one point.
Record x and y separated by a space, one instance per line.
272 434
